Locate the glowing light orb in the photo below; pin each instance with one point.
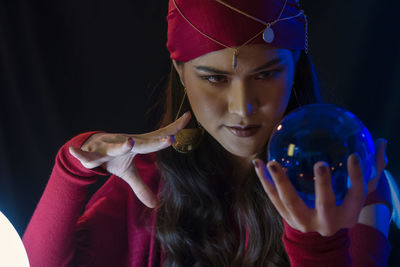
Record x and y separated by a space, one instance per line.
321 132
12 251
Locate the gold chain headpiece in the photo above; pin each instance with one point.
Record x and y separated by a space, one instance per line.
268 33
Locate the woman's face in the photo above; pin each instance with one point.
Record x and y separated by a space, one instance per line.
240 107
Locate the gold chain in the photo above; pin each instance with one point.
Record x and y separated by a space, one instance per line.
180 107
252 17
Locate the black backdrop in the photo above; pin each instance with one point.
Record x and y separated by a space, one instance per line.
71 66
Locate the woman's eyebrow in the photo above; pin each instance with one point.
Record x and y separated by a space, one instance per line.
269 64
211 70
221 72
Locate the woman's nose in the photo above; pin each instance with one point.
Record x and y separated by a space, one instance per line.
241 100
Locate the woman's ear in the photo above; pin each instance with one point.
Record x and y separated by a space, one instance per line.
179 69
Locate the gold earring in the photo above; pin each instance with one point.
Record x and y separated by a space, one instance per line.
187 140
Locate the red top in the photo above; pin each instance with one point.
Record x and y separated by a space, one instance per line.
116 229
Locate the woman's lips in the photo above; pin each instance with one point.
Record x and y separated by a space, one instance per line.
244 131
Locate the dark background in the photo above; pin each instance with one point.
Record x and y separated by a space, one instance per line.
68 67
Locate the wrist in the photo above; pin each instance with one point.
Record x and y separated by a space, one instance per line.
376 216
314 249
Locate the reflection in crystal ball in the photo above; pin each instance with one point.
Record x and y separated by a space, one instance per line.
320 132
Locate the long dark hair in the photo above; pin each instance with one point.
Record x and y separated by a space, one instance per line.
203 214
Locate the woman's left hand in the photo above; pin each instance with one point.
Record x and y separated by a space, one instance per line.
326 218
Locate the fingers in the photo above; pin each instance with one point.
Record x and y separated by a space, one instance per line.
283 195
380 161
170 129
144 146
109 144
380 151
114 145
115 153
264 176
89 160
268 185
325 200
355 196
141 190
103 150
270 189
124 167
287 193
117 145
326 218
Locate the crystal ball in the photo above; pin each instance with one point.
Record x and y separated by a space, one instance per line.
321 132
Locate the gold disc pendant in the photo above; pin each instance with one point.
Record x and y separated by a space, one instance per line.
186 140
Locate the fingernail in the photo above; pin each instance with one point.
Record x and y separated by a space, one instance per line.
255 163
273 168
322 169
172 138
185 114
131 141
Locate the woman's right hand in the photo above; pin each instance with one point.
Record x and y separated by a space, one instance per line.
115 153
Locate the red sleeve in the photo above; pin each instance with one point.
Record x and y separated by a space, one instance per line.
114 215
49 237
369 247
312 249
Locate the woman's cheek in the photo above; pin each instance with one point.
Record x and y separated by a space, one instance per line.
276 97
282 94
204 105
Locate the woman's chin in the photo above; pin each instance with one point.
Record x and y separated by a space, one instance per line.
245 152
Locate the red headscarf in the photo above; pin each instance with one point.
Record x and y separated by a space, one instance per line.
229 26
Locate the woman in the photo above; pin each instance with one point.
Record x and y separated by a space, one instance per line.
238 66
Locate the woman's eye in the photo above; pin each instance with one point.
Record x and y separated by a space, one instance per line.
267 74
215 78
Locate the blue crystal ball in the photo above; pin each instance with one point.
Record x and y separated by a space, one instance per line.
321 132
